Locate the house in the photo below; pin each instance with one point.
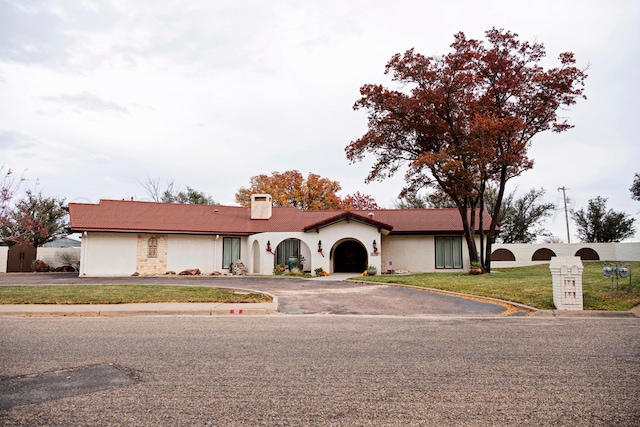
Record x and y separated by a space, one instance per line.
123 237
63 242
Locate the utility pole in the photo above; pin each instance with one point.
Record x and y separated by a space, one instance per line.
566 215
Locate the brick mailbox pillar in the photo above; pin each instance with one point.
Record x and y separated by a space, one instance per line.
566 272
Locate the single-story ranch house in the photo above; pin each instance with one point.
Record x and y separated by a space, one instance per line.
123 237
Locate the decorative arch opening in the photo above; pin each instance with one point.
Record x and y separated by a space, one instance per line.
588 254
255 249
502 255
349 256
543 254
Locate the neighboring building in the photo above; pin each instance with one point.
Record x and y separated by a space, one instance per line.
64 242
123 237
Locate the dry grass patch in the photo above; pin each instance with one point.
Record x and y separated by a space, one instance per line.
122 294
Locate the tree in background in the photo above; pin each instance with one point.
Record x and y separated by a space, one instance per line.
17 224
522 217
171 195
599 225
359 201
466 119
8 189
35 219
286 189
410 201
319 193
290 188
635 187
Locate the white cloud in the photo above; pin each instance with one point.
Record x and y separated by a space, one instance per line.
86 101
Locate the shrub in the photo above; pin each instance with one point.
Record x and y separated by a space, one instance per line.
279 269
68 259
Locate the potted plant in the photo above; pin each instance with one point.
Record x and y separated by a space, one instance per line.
476 267
371 270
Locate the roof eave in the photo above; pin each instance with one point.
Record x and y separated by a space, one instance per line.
123 230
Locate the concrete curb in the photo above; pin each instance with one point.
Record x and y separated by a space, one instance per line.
585 313
118 310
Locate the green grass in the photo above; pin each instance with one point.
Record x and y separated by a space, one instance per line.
531 286
122 294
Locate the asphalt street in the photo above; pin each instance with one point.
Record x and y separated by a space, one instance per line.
319 370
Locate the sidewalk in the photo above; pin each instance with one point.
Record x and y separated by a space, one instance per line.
217 309
115 310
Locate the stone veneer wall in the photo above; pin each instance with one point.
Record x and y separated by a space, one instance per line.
146 265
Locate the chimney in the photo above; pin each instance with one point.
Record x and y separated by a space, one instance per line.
260 206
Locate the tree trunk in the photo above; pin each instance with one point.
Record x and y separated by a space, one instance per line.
494 218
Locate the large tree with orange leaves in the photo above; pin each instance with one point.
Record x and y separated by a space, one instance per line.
465 119
290 188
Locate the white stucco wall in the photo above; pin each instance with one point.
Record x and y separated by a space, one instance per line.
186 252
4 258
49 255
115 254
362 233
627 251
108 254
417 254
330 236
523 252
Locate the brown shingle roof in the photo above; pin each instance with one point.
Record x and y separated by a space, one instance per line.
133 216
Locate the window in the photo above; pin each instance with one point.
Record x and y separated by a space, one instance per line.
152 248
286 249
449 252
230 251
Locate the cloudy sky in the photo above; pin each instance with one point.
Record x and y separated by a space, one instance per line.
98 96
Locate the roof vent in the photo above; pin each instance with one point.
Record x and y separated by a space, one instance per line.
370 214
216 210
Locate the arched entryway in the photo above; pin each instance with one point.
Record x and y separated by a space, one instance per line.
349 256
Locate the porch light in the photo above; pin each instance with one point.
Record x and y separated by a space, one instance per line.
375 247
268 245
319 245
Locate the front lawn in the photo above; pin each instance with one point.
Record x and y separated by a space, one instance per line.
531 286
122 294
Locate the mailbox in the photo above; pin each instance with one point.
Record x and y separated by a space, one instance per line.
566 273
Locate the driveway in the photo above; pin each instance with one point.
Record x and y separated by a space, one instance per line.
306 296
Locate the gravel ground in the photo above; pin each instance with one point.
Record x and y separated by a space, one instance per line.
321 370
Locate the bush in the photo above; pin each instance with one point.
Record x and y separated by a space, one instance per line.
68 259
279 269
